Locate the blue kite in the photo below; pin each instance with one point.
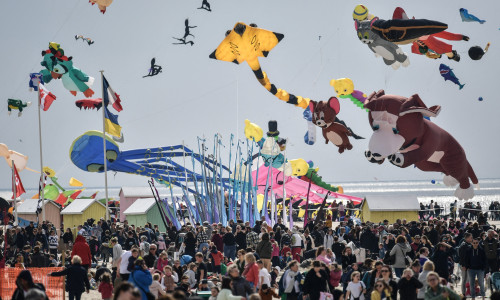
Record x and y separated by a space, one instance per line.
466 17
448 74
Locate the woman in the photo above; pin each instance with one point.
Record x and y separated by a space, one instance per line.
240 262
24 283
436 291
226 293
424 240
190 244
428 267
381 291
77 280
162 262
251 272
400 249
347 258
408 285
141 278
67 238
328 240
355 287
289 284
335 275
370 277
315 282
264 250
321 255
387 277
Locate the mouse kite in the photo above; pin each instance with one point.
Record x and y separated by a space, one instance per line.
466 17
403 137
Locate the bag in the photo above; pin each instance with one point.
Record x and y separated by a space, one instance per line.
389 259
407 259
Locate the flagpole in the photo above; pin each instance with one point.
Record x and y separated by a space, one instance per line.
42 195
104 144
14 190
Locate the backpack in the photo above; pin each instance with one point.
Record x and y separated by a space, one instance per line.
389 259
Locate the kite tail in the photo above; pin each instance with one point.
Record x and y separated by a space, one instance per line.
355 136
279 93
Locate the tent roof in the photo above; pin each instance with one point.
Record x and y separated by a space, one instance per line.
142 192
29 206
393 203
140 206
78 206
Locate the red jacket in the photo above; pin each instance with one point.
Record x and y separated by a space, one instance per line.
82 249
251 273
217 258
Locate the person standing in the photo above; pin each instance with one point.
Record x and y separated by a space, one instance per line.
462 255
289 283
475 263
82 249
77 280
408 286
297 245
264 250
229 243
316 281
400 249
141 278
490 245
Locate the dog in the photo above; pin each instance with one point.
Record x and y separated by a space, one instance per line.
324 115
404 137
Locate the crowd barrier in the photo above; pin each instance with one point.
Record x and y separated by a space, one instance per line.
54 286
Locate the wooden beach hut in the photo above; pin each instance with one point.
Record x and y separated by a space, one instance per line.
128 195
391 208
27 211
80 210
143 211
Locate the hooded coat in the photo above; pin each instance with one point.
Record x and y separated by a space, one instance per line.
82 249
26 275
76 280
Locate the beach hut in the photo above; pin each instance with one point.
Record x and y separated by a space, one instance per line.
391 208
27 211
128 195
80 210
143 211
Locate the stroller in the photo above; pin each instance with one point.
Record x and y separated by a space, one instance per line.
494 282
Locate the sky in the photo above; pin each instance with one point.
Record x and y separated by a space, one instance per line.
196 96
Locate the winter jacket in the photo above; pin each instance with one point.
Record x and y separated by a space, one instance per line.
217 240
241 287
430 294
400 250
328 241
251 273
82 249
314 285
423 279
76 278
264 249
241 240
26 275
476 259
462 252
407 288
141 279
490 248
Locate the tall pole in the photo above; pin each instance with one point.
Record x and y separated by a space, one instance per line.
42 195
104 145
14 190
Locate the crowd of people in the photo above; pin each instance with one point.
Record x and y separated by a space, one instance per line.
432 258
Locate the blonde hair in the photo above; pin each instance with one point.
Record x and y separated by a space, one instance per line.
250 258
76 260
408 270
354 274
428 266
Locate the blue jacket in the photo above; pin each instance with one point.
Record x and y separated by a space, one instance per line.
141 279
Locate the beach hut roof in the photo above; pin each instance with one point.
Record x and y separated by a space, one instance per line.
29 206
78 206
393 203
139 191
140 206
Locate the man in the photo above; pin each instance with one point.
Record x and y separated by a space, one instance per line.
252 238
240 287
201 273
476 263
229 243
117 254
123 262
490 245
82 249
463 249
151 257
240 238
279 224
297 245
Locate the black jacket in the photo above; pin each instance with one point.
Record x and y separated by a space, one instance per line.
76 280
241 287
407 288
462 252
313 285
475 259
241 240
26 275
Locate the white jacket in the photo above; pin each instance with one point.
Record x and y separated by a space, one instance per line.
328 241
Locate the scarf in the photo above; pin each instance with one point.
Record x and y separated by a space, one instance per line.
291 283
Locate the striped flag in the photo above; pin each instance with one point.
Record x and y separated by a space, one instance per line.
110 97
111 123
46 97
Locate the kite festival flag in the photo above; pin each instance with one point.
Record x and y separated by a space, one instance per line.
111 123
46 97
110 97
17 185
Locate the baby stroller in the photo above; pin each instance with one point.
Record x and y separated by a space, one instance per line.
494 282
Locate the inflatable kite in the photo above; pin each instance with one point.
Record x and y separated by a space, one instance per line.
154 70
35 79
466 17
89 103
16 104
101 4
476 52
59 66
247 43
88 40
20 160
334 130
86 152
310 136
392 55
205 5
271 148
404 31
344 87
361 13
312 175
448 74
404 137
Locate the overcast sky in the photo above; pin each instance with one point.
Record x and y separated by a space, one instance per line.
197 96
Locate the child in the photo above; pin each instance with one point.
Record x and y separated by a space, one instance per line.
355 288
204 285
105 287
161 243
216 256
170 279
156 288
93 284
381 251
274 275
267 293
264 277
53 259
288 257
275 254
191 274
214 292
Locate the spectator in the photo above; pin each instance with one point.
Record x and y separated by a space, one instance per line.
77 280
408 285
475 263
289 283
82 249
428 267
226 293
141 278
435 289
264 250
24 283
251 272
400 250
316 281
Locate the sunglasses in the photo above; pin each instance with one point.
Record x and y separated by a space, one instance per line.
384 271
378 285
